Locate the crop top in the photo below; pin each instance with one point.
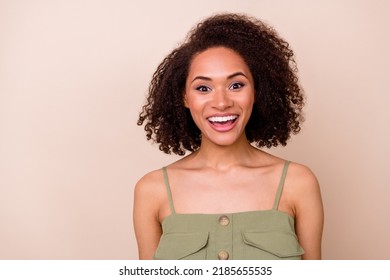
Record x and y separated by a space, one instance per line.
263 234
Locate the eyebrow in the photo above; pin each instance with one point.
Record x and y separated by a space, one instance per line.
228 77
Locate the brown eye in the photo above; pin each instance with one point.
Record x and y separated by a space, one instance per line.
203 89
236 86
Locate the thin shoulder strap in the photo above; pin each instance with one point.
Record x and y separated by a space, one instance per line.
166 181
281 184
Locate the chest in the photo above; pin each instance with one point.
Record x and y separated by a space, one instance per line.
223 193
266 234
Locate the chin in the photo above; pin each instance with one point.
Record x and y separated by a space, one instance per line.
223 141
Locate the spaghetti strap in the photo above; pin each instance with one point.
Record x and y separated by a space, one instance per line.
166 181
281 184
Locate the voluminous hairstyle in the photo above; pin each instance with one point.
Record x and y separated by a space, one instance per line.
277 109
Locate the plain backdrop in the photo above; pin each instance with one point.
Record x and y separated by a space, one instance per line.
74 75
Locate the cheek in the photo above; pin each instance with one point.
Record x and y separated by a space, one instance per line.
247 107
192 106
195 103
196 111
247 101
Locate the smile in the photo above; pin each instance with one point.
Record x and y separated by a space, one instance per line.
222 119
223 123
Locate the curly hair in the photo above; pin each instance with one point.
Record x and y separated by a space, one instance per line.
277 109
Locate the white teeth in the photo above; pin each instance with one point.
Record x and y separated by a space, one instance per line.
222 119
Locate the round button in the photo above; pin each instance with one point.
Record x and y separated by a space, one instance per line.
223 255
223 220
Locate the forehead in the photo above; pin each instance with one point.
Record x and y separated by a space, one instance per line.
217 60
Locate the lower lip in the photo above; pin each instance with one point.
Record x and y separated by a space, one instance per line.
223 127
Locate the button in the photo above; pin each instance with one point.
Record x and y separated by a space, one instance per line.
223 220
223 255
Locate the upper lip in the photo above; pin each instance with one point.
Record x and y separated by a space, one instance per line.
223 115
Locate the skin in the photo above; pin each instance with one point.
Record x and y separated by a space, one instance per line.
227 174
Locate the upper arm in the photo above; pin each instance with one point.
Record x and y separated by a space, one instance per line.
146 216
309 214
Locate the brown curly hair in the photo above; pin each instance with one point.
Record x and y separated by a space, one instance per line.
277 110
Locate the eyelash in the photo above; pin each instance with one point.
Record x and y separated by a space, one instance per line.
202 88
240 85
206 89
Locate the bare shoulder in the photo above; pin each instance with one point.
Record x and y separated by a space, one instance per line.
150 194
305 197
148 198
301 178
304 192
301 188
151 185
152 178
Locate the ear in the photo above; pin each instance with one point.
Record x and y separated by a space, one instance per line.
185 100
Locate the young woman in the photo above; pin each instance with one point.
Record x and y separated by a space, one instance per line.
228 90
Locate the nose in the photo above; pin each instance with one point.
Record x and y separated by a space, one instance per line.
222 100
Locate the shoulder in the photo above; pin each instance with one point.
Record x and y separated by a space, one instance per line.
148 198
302 187
152 177
151 185
304 191
301 176
301 180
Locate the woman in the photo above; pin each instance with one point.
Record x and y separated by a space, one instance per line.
231 85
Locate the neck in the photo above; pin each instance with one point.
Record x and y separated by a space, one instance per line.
210 155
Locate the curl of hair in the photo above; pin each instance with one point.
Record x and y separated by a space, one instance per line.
277 110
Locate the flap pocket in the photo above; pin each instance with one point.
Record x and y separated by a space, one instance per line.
282 244
176 246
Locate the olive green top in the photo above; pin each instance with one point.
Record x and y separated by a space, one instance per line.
263 234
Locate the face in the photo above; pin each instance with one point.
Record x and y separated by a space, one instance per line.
220 95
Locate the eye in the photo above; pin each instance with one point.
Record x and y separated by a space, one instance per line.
236 86
202 88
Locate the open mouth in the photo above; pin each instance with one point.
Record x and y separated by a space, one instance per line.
222 120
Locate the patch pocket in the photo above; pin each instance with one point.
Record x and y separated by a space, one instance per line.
271 245
182 246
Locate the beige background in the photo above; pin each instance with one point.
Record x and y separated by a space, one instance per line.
73 75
